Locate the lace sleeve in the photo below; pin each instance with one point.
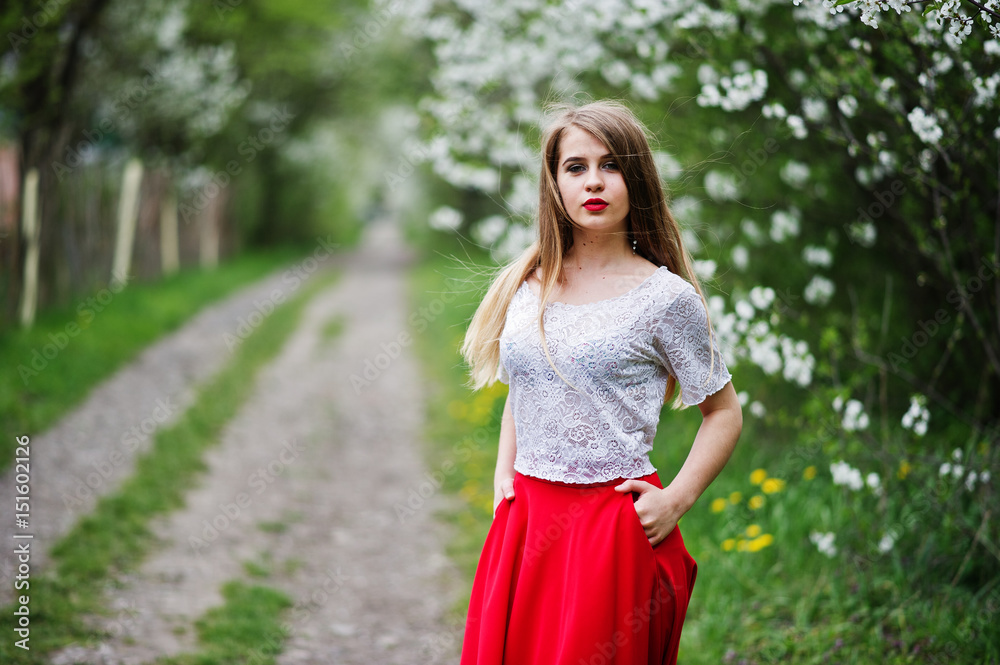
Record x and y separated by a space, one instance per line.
682 342
502 374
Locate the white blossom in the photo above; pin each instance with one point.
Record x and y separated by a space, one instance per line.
798 126
721 186
855 417
740 257
784 224
844 474
925 126
488 231
848 105
819 290
761 297
445 218
917 416
795 174
817 256
887 542
705 268
824 543
751 230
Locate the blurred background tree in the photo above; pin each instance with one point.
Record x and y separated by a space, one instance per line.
248 120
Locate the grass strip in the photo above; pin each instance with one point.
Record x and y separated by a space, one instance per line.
116 535
51 367
246 628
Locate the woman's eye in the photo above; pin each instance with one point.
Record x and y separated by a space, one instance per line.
575 168
611 165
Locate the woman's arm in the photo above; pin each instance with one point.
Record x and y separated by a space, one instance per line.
503 478
720 429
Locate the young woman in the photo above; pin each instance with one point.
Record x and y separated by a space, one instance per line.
594 328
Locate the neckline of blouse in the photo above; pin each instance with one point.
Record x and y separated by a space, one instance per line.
603 301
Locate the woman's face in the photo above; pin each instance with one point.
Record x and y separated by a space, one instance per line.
591 184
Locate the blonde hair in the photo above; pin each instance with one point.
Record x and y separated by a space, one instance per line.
655 232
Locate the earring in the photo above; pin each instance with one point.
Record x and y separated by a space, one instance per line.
633 245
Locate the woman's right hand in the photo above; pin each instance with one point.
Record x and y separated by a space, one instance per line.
502 490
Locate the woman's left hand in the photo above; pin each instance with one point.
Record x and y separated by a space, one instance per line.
658 512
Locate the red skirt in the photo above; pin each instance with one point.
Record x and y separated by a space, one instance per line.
567 577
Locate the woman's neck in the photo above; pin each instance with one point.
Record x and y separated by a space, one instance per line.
596 252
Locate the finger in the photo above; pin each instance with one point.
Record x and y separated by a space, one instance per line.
633 485
627 486
508 488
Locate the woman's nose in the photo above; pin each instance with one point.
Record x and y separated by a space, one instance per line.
594 180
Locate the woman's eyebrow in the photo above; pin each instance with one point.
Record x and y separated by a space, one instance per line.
581 159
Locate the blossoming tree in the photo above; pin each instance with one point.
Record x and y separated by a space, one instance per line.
835 166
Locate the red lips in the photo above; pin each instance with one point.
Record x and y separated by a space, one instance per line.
595 204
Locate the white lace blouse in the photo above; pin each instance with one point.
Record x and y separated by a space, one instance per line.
618 352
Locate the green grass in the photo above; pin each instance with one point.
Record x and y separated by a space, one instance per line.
116 535
785 602
332 328
89 341
245 628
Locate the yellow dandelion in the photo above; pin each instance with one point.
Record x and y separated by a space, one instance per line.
809 473
753 531
772 485
728 544
718 505
760 542
758 476
735 497
755 502
741 545
904 470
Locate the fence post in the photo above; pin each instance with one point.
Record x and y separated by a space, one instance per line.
128 211
31 227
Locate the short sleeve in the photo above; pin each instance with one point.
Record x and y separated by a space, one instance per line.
690 354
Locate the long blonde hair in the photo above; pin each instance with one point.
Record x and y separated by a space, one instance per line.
650 225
